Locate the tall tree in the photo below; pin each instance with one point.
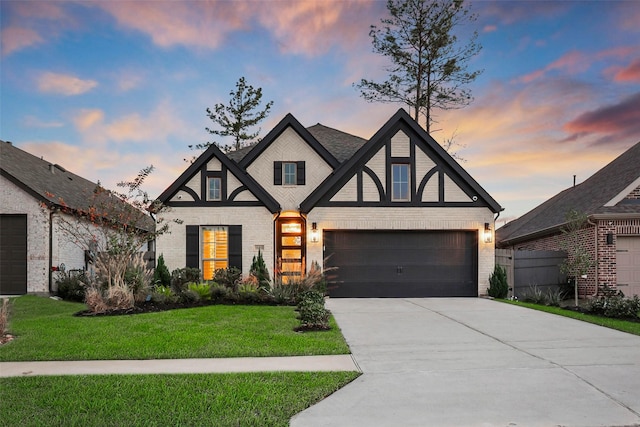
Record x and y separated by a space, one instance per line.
428 66
237 117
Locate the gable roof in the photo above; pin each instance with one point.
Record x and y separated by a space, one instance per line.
601 194
401 117
341 144
52 184
286 122
242 175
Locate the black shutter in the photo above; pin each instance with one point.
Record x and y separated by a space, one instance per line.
235 246
277 173
300 173
193 246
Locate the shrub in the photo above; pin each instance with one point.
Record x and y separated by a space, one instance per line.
312 313
498 286
189 297
161 275
4 316
248 290
229 277
219 292
282 293
259 270
535 295
615 306
71 286
163 295
203 290
180 277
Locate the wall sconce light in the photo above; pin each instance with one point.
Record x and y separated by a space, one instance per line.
314 232
488 235
609 238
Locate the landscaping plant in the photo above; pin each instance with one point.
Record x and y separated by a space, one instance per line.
181 277
71 286
4 316
498 286
615 306
579 259
259 270
312 313
203 290
161 275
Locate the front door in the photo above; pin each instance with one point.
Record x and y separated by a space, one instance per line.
290 248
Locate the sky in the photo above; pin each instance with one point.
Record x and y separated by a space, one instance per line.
106 88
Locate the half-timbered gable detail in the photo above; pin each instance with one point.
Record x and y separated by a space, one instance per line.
215 180
400 166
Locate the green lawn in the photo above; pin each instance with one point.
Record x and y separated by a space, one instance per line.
621 325
46 329
265 399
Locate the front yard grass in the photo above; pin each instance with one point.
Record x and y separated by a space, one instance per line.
45 329
264 399
619 324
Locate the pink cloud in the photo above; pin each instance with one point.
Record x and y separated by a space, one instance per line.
15 38
621 118
572 62
64 84
489 28
631 73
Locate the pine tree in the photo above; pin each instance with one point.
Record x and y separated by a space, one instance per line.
428 66
237 117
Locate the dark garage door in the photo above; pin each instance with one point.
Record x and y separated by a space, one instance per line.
402 263
13 254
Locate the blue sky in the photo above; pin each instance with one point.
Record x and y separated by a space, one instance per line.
105 88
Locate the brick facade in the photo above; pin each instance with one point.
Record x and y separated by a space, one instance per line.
604 272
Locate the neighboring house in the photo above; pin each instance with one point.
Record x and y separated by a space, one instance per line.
395 214
611 200
39 201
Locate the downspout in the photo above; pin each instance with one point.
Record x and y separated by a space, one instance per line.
49 267
595 227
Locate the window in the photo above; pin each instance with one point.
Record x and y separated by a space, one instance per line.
400 182
215 250
214 186
289 173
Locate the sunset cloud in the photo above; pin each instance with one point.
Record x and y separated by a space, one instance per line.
621 118
34 122
64 84
15 38
631 73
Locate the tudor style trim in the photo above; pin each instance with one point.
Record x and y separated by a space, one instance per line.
199 167
288 121
445 164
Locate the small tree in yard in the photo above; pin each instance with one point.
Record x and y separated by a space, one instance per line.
236 118
498 286
579 260
113 227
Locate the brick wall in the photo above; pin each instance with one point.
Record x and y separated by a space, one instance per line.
635 194
606 253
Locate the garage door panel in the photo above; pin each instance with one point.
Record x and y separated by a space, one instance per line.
401 263
13 254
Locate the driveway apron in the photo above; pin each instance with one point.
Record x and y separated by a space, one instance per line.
477 362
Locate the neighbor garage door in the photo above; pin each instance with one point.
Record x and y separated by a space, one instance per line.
628 264
401 263
13 254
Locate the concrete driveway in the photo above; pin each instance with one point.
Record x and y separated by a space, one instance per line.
477 362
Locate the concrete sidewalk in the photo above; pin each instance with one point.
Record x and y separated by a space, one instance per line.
478 363
342 362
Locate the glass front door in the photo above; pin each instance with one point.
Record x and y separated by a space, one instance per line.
290 248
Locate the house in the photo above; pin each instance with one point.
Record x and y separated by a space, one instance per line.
395 215
611 200
43 213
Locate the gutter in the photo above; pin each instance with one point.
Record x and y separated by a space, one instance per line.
595 228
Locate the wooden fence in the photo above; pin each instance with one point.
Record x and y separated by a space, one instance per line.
526 269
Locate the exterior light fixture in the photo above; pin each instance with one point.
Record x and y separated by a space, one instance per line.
314 232
488 235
